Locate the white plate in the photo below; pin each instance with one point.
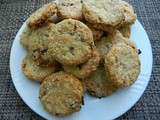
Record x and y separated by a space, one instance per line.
94 109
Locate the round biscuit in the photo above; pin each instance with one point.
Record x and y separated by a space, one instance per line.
61 94
122 65
72 44
103 14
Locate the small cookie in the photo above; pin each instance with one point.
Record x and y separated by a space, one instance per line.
61 94
38 42
66 50
103 46
98 84
70 9
97 34
103 14
34 72
72 43
128 11
125 30
122 65
39 17
86 69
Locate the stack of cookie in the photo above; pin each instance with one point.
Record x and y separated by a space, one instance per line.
76 46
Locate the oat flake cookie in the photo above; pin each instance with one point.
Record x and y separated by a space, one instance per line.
72 43
86 69
34 72
98 84
105 44
70 9
122 65
38 41
39 17
61 94
103 14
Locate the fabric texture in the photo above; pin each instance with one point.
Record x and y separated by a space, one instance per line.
12 15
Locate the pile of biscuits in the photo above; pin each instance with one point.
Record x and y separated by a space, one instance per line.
74 46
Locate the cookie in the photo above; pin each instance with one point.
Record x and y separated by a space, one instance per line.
72 43
86 69
70 9
34 72
122 65
125 30
97 34
38 42
61 94
128 11
39 17
98 84
103 14
103 46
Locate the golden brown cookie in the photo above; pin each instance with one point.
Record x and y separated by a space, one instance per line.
86 69
70 9
72 43
34 72
103 46
103 14
122 65
39 17
61 94
98 84
38 41
125 30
